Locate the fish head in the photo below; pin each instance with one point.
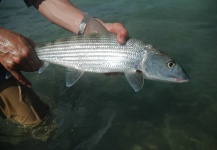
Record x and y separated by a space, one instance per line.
159 66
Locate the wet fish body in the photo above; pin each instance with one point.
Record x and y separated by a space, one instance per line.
99 52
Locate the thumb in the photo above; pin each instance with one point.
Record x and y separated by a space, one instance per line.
19 76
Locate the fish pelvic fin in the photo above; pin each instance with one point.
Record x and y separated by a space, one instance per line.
92 25
72 76
43 67
135 79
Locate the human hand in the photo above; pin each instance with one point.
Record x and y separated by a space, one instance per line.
17 54
118 29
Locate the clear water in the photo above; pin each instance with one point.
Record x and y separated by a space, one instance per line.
104 113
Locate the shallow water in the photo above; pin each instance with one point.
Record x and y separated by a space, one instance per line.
104 113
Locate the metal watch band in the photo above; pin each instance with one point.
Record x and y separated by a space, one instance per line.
82 27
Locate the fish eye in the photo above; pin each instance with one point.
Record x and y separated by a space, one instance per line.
171 64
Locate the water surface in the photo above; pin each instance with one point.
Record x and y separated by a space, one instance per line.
104 113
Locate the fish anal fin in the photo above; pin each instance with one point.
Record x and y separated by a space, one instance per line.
72 76
135 79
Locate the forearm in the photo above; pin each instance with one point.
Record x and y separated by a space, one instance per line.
66 15
61 12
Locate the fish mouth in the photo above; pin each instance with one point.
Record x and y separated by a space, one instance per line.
182 80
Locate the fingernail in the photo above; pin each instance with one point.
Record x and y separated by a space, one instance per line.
121 41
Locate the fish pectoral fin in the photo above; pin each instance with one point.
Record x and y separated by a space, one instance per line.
72 76
135 79
43 67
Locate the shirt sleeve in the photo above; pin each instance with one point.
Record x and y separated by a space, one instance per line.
29 3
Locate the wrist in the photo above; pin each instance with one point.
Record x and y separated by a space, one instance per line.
62 13
82 26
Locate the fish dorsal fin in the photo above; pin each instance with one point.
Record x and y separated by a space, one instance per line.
43 67
135 79
92 25
72 76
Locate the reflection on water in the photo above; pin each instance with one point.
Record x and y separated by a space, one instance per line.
101 112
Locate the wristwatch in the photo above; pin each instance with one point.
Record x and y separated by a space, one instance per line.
82 27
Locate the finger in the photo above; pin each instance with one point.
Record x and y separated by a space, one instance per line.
33 60
122 38
120 30
30 58
117 73
122 33
19 63
113 73
19 76
107 74
30 64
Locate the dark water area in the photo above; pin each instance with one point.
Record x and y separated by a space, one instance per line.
104 113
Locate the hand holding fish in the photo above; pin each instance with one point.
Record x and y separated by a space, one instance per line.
68 16
118 29
17 54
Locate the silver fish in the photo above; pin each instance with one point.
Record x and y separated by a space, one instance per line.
99 52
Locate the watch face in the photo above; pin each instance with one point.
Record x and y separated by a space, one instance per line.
82 27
